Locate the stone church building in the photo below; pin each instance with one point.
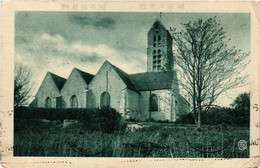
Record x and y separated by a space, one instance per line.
137 96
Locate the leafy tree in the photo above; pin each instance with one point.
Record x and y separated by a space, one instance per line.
22 85
206 64
241 112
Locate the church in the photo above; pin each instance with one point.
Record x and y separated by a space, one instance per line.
152 94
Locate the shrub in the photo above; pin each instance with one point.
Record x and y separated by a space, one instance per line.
212 116
186 119
110 120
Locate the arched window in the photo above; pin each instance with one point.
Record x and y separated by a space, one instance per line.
159 51
154 38
104 100
154 102
74 102
48 102
159 38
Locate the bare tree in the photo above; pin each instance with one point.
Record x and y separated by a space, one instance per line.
22 85
207 66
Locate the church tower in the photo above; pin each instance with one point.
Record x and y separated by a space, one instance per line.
159 50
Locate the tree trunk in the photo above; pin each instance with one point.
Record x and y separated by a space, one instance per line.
199 118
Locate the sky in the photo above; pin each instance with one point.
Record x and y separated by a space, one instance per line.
59 41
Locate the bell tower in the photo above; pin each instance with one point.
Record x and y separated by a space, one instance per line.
159 50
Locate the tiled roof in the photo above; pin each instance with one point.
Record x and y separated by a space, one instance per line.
86 76
125 77
59 81
152 80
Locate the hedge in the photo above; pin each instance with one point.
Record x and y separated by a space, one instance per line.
106 120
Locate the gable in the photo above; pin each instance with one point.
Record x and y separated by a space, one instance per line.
78 78
121 74
152 80
87 77
48 83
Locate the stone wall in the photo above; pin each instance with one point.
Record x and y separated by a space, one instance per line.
164 105
98 85
183 107
132 105
74 85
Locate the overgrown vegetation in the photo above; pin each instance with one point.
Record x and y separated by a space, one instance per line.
103 133
35 138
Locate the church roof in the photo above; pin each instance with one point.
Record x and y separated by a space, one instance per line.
87 77
59 81
152 80
125 77
157 21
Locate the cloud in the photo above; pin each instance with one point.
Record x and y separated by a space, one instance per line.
103 23
53 51
106 23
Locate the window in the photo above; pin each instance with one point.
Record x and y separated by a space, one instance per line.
159 56
104 100
159 51
154 38
159 38
48 102
154 44
154 52
154 102
74 102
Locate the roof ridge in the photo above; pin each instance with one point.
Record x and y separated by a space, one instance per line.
57 77
82 71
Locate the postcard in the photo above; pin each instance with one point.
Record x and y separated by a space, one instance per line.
130 84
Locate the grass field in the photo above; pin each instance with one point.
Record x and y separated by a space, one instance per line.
36 138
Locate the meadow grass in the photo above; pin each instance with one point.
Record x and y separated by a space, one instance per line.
35 138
